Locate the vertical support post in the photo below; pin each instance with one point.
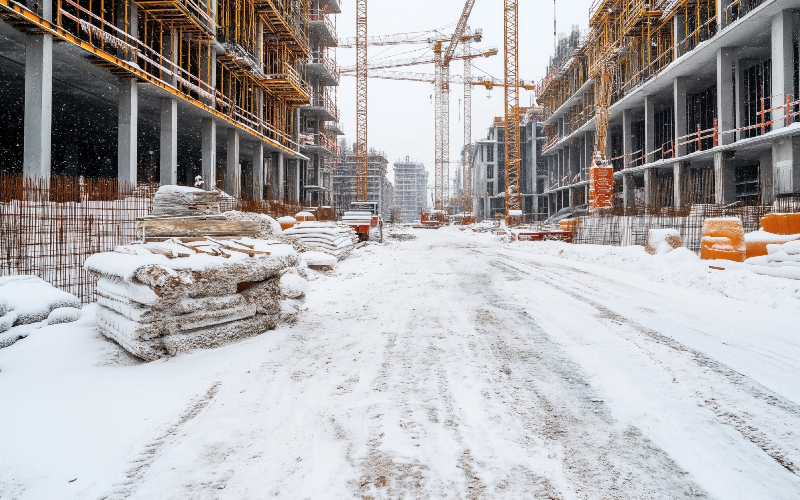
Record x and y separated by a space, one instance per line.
724 178
258 171
679 111
127 123
649 128
722 19
281 178
233 170
169 141
783 27
786 165
739 66
38 102
209 152
679 181
765 180
627 136
725 94
649 174
678 34
628 191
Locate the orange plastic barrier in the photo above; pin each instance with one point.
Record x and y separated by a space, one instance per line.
781 223
570 224
723 238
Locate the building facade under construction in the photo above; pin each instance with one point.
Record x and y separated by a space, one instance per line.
693 102
410 189
166 90
379 188
489 169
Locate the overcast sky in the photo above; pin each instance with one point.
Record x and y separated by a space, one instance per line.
401 113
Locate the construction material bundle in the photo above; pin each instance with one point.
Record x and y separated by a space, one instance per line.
781 260
330 237
159 299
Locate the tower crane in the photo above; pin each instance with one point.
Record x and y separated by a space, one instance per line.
362 152
511 38
443 57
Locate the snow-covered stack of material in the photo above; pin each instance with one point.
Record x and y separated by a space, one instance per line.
182 201
660 241
781 260
330 237
270 228
29 299
161 299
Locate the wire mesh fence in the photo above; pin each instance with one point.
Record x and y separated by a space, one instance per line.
49 226
630 227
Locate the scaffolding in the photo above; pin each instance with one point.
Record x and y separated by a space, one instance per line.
410 189
242 60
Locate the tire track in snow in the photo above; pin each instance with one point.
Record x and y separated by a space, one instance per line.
773 441
601 458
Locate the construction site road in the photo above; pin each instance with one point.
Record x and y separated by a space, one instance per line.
455 365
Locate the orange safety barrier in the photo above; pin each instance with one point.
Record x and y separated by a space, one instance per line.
781 223
570 224
723 238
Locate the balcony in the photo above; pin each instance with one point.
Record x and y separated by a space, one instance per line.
323 25
323 69
322 144
322 107
287 84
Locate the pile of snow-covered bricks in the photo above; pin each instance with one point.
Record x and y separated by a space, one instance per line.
28 299
333 238
159 299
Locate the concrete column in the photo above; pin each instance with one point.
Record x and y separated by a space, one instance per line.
765 171
679 112
296 177
169 141
627 136
589 151
128 117
722 19
649 128
571 198
678 34
724 178
628 191
281 164
209 152
38 104
680 173
649 175
233 170
786 165
258 171
739 67
725 93
783 27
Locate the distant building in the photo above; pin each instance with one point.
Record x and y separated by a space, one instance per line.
379 188
410 189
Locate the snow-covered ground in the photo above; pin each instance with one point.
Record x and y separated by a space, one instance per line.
453 365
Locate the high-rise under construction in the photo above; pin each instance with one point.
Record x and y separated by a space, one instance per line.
166 90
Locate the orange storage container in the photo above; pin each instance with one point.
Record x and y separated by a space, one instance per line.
781 223
723 238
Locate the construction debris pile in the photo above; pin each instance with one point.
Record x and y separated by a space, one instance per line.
330 237
182 294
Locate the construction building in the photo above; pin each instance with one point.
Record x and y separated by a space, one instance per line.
489 168
165 90
379 188
701 96
410 189
319 120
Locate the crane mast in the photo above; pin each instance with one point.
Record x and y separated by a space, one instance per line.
466 156
362 152
511 35
442 91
